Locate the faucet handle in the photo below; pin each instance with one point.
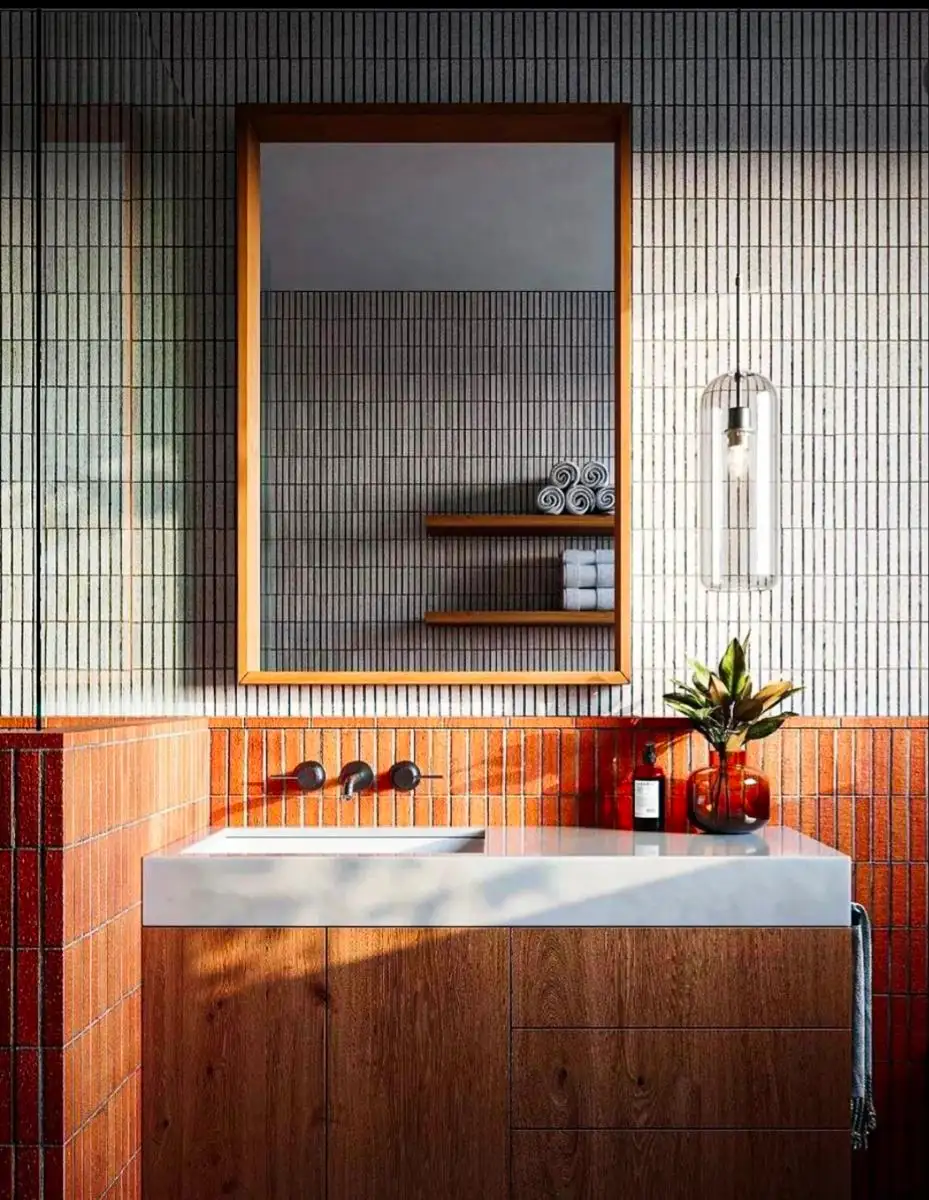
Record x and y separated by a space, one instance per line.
406 776
310 776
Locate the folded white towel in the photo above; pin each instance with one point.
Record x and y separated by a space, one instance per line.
595 474
579 599
564 474
550 500
584 557
588 575
580 500
606 499
588 599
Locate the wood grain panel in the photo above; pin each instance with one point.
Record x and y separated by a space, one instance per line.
418 1064
707 978
233 1063
664 1165
516 524
553 616
680 1079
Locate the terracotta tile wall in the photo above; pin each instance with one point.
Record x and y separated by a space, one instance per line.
78 809
857 784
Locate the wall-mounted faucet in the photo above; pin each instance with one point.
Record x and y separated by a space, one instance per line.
355 777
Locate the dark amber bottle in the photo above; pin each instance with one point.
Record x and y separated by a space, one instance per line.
648 794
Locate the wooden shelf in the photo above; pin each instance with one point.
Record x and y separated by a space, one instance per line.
515 617
524 524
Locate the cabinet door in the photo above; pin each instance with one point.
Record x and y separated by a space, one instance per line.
233 1063
418 1064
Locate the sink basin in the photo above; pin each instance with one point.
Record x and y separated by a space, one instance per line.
340 841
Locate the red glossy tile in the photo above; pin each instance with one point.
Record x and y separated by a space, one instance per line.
53 913
6 1172
26 1082
570 749
53 1130
881 961
26 1026
899 958
6 1095
53 1177
6 898
6 799
7 1005
919 915
28 1173
880 903
28 797
27 897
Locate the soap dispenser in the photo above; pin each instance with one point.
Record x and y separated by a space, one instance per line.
648 789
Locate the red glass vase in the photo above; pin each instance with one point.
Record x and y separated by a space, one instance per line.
728 796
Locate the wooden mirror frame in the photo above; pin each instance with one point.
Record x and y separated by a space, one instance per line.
567 123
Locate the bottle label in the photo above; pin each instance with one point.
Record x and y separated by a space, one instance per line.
646 797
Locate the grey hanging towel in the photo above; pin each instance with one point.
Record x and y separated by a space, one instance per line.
864 1118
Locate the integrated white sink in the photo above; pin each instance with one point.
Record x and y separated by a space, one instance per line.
305 840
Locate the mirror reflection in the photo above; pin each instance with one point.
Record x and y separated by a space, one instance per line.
436 337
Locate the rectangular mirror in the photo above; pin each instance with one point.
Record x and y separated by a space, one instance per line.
433 311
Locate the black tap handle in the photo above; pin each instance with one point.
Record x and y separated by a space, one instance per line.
310 776
405 776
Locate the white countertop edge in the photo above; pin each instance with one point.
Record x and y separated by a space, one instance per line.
293 891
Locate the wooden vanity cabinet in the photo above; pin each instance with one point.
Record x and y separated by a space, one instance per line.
233 1064
524 1064
680 1064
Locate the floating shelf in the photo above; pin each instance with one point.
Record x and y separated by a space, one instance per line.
515 617
527 524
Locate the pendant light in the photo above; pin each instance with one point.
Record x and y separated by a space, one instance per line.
738 503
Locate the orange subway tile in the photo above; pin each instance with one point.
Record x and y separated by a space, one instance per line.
459 756
527 750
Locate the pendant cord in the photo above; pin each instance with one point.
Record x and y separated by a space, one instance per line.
738 201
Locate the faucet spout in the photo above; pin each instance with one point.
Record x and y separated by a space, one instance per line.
355 777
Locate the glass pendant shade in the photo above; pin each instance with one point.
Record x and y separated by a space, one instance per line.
739 508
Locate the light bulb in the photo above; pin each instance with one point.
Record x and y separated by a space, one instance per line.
737 458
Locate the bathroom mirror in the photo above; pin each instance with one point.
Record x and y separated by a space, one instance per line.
433 311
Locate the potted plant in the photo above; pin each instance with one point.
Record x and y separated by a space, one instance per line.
728 796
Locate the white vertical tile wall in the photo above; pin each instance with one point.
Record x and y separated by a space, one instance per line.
833 131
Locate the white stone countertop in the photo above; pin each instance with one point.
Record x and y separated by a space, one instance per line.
544 876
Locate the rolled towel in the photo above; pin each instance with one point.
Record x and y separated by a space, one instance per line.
564 474
588 599
580 500
579 599
550 500
595 474
606 499
578 557
587 575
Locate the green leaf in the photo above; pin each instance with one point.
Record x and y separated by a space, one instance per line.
701 674
686 709
732 667
745 688
766 726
